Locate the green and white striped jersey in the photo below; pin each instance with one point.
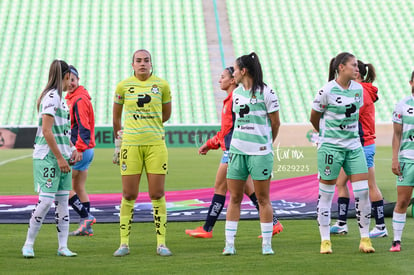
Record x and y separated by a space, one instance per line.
338 126
252 134
404 114
55 106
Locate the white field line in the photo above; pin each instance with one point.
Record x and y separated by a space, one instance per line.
14 159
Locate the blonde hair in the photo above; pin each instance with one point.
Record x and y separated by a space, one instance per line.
57 71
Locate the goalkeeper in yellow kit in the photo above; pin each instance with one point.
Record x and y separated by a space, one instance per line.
145 100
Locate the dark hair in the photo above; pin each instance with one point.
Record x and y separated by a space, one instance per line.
73 70
254 68
230 70
367 72
341 58
412 76
57 68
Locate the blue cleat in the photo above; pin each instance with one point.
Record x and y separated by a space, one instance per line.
229 250
66 252
339 229
162 250
27 251
123 250
267 249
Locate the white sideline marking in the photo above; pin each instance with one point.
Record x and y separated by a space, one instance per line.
14 159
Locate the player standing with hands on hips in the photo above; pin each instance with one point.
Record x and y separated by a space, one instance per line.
256 126
335 115
52 151
146 101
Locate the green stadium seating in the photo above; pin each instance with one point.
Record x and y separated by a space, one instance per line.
295 40
99 38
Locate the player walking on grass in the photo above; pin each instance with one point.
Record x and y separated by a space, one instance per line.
146 100
402 162
366 77
335 115
83 136
222 140
52 151
256 126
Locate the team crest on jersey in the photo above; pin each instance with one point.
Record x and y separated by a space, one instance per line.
124 166
48 183
253 100
327 171
155 89
357 98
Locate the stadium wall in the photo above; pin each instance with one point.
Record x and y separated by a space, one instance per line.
185 135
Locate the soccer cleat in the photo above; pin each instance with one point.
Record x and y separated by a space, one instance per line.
162 250
267 249
123 250
326 247
66 252
199 232
229 250
366 246
27 251
82 231
378 233
339 229
277 229
396 246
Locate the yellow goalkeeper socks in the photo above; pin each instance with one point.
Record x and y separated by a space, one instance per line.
160 219
125 219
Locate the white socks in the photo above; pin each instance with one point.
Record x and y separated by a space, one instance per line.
326 194
62 217
267 232
231 230
362 206
38 214
398 223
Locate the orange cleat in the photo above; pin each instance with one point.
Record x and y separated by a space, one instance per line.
199 232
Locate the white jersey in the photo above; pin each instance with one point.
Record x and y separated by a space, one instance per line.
252 133
55 106
404 114
339 126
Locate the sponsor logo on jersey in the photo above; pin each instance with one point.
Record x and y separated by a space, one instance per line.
143 99
410 110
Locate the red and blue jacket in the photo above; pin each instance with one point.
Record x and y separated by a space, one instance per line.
367 114
223 137
82 119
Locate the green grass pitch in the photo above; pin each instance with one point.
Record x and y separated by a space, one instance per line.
297 248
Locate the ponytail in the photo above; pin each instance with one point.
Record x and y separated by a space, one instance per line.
341 58
254 68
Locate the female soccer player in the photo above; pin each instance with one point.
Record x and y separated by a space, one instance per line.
52 151
335 115
366 77
402 162
146 99
222 140
256 126
83 136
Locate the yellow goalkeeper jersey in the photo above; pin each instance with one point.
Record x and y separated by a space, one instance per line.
142 109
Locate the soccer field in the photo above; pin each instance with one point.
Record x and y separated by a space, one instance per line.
297 247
